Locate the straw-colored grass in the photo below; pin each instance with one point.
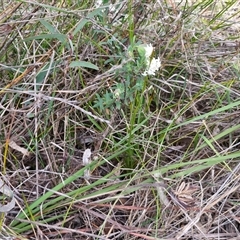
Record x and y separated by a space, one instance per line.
93 147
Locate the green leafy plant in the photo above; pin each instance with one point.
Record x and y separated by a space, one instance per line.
130 77
104 136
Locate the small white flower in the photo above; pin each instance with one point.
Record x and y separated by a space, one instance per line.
98 3
148 50
117 93
86 160
152 64
87 174
87 157
112 8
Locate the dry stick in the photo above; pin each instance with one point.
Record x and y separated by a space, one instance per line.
41 61
7 28
7 13
56 227
25 21
197 218
68 102
29 69
15 81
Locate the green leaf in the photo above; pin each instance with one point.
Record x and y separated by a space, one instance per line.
141 50
84 21
83 64
61 37
49 67
94 13
49 27
41 201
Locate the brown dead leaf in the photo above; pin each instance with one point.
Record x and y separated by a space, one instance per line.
183 195
14 146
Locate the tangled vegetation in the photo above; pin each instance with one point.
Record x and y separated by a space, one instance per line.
119 119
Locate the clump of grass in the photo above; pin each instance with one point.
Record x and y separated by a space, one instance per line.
163 144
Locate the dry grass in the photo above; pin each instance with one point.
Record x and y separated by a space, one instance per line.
164 164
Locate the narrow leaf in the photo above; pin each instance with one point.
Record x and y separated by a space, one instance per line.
49 27
83 64
83 22
60 37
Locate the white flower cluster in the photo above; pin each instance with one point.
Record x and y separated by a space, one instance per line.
153 64
98 3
